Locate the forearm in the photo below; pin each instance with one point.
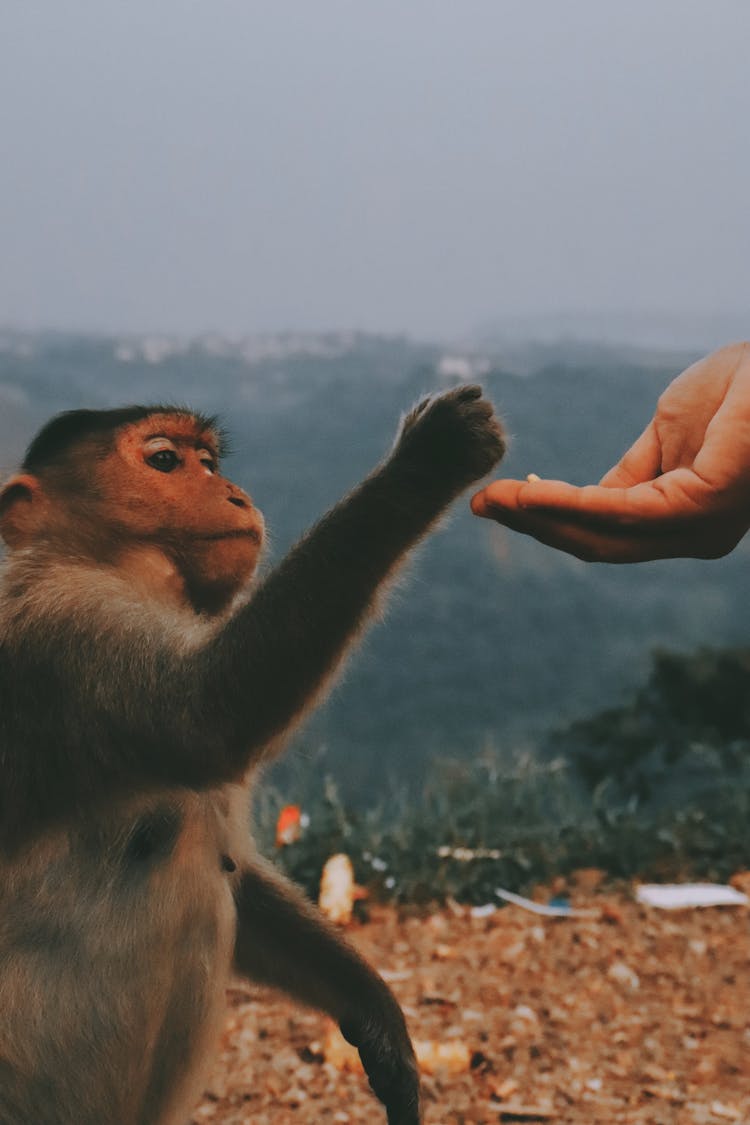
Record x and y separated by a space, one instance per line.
279 651
282 941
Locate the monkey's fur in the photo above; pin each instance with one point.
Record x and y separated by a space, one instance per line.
138 688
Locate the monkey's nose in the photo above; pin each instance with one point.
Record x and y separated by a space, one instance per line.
238 496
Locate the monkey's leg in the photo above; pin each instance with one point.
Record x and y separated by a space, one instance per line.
282 941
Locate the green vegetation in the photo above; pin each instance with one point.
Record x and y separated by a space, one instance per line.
660 787
685 733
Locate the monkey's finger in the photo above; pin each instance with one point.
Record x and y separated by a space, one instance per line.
404 1110
464 392
390 1066
467 391
482 407
404 1116
397 1087
401 1101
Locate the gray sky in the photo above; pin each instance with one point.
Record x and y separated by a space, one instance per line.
399 165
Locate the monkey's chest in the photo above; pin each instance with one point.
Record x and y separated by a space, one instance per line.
188 984
186 941
116 967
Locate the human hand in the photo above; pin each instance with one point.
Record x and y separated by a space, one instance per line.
682 490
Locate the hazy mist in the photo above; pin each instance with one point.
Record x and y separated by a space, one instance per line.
426 167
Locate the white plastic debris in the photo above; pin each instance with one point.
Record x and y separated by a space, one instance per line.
337 890
542 908
485 911
622 974
679 896
465 855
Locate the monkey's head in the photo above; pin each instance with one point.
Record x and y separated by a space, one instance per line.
139 488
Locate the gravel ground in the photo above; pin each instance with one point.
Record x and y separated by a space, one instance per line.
630 1015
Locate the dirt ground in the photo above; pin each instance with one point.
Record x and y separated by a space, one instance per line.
629 1015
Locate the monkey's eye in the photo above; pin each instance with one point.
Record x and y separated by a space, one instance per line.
164 460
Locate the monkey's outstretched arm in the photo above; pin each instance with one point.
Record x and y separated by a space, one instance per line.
133 703
276 654
283 941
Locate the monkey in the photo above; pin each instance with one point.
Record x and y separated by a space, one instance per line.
145 675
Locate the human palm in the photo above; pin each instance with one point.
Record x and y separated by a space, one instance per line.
683 488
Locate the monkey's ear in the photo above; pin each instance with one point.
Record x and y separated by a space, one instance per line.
23 506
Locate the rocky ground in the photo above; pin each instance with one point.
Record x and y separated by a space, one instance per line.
629 1014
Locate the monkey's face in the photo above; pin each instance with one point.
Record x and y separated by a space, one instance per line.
164 487
147 496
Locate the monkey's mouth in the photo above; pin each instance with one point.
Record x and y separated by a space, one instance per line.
254 534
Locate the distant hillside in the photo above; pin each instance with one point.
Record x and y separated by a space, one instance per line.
492 638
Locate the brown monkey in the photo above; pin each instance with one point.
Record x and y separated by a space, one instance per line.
138 687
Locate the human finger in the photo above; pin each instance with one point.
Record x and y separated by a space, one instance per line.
514 495
642 462
498 494
672 497
551 496
590 544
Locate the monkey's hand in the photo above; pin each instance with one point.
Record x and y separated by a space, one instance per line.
387 1055
451 439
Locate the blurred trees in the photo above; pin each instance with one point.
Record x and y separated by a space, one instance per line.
685 733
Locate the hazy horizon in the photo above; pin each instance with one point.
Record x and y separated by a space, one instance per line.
434 170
